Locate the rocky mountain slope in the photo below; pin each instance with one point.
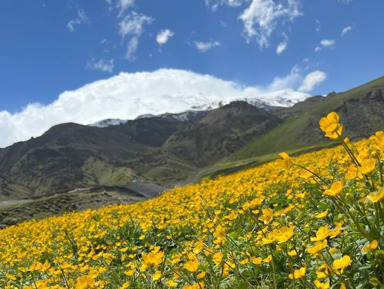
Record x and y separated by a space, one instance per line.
169 149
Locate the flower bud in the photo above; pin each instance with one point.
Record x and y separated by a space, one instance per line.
375 281
353 212
350 197
379 254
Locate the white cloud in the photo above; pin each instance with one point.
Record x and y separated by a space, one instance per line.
205 46
318 25
317 48
123 5
346 30
312 80
101 64
345 1
129 95
296 80
262 17
163 36
282 45
327 42
131 48
214 4
81 19
293 79
133 25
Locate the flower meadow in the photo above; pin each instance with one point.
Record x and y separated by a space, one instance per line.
311 221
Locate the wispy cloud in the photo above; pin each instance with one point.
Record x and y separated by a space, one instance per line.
317 25
346 30
293 79
312 80
133 25
82 18
214 4
163 36
101 64
282 45
129 95
262 17
122 5
345 1
132 46
298 81
205 46
327 42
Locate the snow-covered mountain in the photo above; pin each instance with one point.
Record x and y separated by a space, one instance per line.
280 99
108 122
130 95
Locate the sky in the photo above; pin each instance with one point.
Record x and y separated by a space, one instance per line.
84 61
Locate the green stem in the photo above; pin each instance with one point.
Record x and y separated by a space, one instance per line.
65 278
273 269
241 275
308 170
349 151
362 231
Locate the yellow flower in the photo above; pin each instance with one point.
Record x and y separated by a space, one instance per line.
321 215
201 275
340 264
153 259
371 246
192 265
284 234
194 286
333 250
256 261
10 277
320 285
285 161
330 125
125 285
377 196
299 273
85 282
267 215
323 271
368 166
321 234
319 245
171 283
220 235
292 253
268 259
129 273
156 276
220 232
217 258
335 189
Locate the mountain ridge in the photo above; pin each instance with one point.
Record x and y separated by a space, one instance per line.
169 150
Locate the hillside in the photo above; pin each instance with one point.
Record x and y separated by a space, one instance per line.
312 221
151 149
361 108
169 150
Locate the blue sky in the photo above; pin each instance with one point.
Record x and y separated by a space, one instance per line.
311 46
